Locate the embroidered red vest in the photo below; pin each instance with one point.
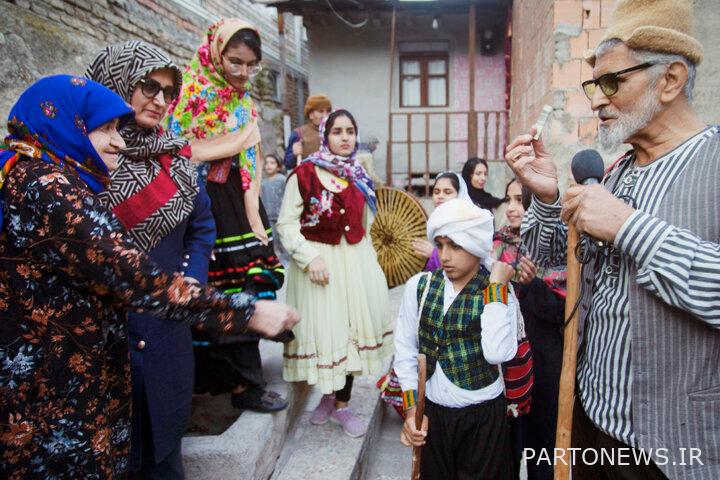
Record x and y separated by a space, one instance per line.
326 215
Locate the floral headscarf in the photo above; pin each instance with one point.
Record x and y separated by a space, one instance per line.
348 168
508 248
153 190
209 106
50 122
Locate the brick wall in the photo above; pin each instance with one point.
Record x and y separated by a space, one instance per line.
42 37
549 38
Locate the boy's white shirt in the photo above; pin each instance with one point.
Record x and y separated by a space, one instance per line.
498 339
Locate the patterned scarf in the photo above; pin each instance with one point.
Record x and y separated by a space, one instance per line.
348 168
51 121
154 170
508 248
209 106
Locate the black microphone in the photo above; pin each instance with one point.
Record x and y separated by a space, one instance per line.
587 167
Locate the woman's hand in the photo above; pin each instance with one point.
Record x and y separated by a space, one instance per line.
422 247
527 269
501 272
258 228
317 272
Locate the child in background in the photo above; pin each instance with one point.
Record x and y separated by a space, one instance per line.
273 187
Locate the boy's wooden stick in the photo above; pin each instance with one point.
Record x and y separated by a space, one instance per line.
419 413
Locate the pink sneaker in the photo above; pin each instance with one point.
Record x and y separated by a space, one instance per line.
351 425
322 412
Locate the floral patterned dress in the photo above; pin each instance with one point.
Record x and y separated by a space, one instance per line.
67 274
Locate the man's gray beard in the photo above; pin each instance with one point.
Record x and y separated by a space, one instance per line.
628 124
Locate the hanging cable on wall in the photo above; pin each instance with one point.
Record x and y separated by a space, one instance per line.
344 20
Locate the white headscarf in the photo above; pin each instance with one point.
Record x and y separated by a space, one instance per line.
467 225
463 190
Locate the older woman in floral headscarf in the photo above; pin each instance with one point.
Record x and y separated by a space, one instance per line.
68 271
216 113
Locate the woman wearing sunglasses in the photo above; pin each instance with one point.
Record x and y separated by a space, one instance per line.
215 111
156 195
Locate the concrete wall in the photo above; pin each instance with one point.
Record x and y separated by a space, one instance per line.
549 38
352 67
43 37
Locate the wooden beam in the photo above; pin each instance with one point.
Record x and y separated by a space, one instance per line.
472 114
283 67
388 155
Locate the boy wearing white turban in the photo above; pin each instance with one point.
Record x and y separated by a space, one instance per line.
463 317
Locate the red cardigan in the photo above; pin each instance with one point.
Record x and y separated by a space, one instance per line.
326 215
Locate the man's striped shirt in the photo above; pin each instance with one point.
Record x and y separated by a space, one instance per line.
674 264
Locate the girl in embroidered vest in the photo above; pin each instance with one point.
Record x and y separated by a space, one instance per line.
69 271
463 317
334 279
216 112
541 292
155 194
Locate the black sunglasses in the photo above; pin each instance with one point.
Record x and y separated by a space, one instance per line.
150 89
609 83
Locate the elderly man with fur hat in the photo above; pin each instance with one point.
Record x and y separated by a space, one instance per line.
306 139
648 372
464 318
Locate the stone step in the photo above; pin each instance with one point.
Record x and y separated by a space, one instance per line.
388 459
250 446
320 452
223 445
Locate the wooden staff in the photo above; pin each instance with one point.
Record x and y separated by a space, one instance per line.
419 413
566 397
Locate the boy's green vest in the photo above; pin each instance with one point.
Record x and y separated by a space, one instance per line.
453 339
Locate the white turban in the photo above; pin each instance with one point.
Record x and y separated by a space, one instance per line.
467 225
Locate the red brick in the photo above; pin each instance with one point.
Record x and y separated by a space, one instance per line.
577 104
578 45
568 12
587 130
562 132
567 75
606 9
594 37
591 14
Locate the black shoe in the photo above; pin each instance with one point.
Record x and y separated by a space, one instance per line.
258 400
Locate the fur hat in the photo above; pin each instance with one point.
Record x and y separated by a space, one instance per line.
664 26
317 102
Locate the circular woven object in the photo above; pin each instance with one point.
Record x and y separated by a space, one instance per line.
400 218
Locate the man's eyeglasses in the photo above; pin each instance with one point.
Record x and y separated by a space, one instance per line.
150 89
609 83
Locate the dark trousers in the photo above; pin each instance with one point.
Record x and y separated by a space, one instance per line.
586 435
467 443
344 394
170 468
221 368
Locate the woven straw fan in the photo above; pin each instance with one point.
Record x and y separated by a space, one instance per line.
400 218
